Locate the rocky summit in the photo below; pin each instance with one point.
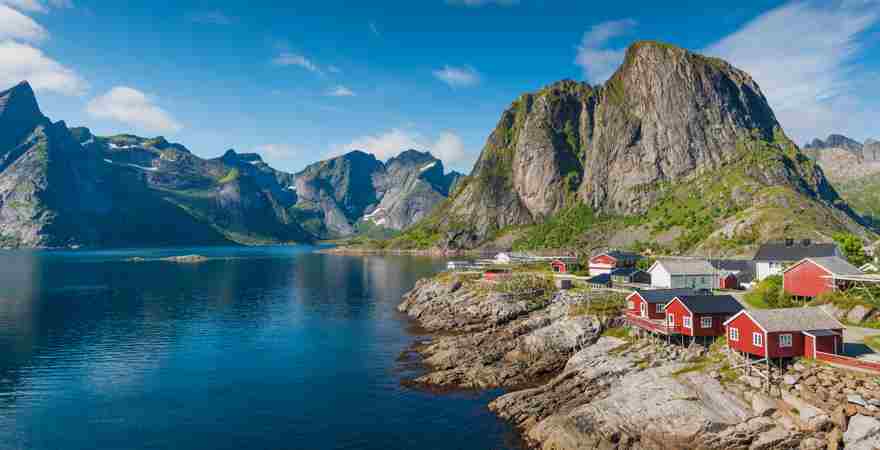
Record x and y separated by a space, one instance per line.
356 191
666 119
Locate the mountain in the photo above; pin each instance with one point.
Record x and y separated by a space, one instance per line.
339 195
676 151
66 187
843 159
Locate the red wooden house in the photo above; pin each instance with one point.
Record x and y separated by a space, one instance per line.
606 262
700 315
785 333
645 307
564 265
811 277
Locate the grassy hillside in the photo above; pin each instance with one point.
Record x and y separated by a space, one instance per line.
863 195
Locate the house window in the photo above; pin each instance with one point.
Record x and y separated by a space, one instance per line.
630 305
644 309
734 334
670 320
686 321
705 322
757 339
785 340
660 307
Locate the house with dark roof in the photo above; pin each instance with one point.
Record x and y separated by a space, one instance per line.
785 333
773 258
678 273
630 275
650 303
734 273
600 281
606 262
812 277
700 315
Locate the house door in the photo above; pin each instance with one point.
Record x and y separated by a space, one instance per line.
809 347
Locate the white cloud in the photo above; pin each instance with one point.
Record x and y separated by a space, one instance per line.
276 152
215 17
36 5
294 59
803 55
15 25
458 76
341 91
476 3
133 107
599 62
22 62
448 146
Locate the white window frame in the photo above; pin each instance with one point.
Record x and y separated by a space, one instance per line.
631 305
687 322
757 339
734 334
660 308
785 340
704 320
643 309
670 320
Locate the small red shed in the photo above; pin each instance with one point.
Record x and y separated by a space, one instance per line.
701 315
785 333
564 265
728 281
811 277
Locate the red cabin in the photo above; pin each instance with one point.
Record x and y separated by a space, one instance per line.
645 307
604 263
700 315
785 333
811 277
728 281
564 265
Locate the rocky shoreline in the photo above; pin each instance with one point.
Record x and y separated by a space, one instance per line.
576 381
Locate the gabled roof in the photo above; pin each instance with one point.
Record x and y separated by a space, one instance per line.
662 295
797 251
684 266
710 304
791 319
833 264
625 271
600 279
744 269
619 254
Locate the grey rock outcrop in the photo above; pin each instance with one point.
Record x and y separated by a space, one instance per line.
340 192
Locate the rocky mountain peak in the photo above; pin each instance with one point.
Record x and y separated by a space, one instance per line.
19 114
835 141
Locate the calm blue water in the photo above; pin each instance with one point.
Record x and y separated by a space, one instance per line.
273 348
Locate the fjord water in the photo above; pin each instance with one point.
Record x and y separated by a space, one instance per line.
258 348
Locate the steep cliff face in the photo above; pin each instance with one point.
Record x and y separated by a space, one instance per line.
666 118
336 194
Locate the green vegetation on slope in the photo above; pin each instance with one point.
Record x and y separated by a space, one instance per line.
863 195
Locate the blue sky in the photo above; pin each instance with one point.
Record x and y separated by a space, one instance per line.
304 80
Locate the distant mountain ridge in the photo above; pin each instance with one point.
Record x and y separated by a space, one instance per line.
336 195
66 187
